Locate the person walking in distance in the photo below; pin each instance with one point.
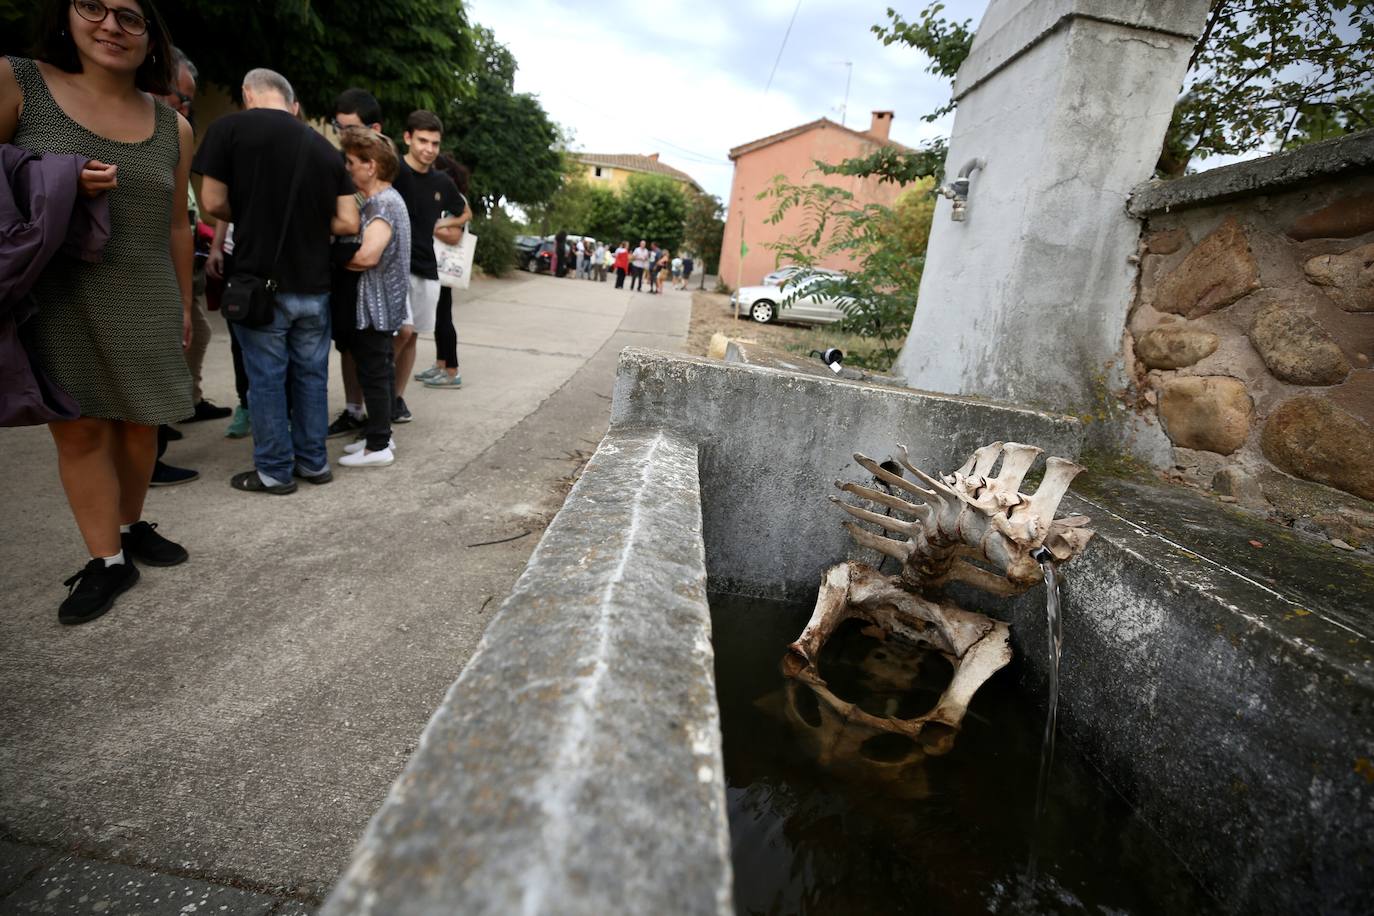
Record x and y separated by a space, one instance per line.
113 333
599 262
639 262
353 108
286 191
436 209
383 260
651 269
621 264
444 373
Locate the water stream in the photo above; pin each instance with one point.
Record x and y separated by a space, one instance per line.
1054 632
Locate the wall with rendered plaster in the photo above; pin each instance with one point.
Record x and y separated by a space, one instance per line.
1026 300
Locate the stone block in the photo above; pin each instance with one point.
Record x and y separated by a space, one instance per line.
1240 485
1296 348
1220 270
1311 438
575 765
1173 346
774 441
1208 413
1166 241
1348 278
1344 218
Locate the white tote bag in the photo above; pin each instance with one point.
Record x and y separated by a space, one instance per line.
455 261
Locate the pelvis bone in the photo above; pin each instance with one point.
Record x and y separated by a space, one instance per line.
970 526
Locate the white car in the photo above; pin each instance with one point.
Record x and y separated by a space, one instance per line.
784 273
766 304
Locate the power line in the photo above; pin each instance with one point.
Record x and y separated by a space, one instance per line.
781 47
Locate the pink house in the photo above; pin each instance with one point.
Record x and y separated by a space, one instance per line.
793 153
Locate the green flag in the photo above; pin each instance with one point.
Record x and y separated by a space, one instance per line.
743 248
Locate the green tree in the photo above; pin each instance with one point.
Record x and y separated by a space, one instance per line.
409 53
653 208
504 137
888 244
579 207
704 231
1263 74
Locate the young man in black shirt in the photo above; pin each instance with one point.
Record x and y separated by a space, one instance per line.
248 161
436 210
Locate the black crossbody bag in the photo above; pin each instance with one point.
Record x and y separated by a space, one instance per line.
251 300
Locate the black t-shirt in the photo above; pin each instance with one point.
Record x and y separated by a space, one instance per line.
427 196
254 153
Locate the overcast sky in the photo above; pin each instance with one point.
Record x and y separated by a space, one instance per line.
688 79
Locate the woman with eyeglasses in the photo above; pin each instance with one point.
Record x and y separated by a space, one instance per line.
112 333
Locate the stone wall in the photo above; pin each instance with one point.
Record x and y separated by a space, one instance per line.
1251 337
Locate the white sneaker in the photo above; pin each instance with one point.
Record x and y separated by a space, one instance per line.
366 459
353 448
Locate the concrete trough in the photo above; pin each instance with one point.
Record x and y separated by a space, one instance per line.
575 765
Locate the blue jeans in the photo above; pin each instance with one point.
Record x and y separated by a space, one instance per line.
293 349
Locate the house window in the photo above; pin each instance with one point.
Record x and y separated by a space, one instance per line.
598 171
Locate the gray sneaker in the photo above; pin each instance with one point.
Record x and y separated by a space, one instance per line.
444 380
427 374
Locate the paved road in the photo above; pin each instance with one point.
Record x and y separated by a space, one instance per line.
237 719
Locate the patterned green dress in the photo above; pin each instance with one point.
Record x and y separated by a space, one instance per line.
110 333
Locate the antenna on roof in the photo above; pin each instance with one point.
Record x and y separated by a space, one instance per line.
844 109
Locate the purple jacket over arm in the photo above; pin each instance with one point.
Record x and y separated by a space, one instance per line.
41 213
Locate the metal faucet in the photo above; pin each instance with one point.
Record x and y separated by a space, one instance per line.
957 190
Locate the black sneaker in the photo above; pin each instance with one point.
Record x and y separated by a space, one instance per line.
345 424
165 475
401 413
250 482
207 411
324 476
94 589
148 547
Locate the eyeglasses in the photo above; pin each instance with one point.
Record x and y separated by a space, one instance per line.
129 22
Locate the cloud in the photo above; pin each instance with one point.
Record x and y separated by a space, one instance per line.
687 78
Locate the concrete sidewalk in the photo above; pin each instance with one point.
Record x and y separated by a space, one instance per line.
233 723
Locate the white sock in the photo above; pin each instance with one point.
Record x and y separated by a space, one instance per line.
124 529
354 410
269 481
114 560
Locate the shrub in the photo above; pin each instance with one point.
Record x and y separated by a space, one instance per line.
495 244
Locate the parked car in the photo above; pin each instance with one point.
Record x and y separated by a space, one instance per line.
766 304
526 245
540 260
787 271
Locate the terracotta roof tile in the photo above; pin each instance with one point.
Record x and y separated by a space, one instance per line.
635 163
803 128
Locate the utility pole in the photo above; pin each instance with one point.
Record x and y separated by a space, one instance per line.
849 76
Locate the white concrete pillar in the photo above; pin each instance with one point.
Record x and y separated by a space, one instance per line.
1067 102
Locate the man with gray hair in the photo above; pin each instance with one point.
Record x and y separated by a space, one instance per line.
286 191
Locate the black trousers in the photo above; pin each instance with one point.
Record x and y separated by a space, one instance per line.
620 278
445 334
636 277
377 375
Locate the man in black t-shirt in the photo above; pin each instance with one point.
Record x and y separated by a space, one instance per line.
247 163
436 210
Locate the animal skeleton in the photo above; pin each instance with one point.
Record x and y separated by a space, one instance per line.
969 526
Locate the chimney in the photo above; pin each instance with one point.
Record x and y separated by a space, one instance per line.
653 157
882 125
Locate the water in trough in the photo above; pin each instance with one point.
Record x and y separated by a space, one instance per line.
955 835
